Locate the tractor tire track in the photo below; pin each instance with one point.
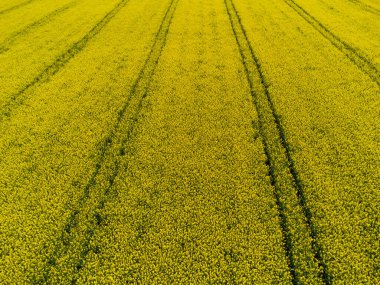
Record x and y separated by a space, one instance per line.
108 165
19 97
278 158
366 7
4 46
10 9
354 55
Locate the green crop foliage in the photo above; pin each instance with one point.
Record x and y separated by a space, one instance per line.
189 142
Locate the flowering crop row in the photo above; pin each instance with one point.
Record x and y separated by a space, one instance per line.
52 143
189 142
328 108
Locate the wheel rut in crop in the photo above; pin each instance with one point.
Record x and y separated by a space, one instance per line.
366 7
355 56
13 8
278 157
88 214
19 97
6 44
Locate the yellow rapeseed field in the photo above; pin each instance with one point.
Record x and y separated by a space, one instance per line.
189 142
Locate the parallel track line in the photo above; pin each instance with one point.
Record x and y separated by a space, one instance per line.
5 45
260 93
366 7
137 94
19 97
10 9
355 56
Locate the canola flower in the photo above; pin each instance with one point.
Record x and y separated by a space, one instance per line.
189 142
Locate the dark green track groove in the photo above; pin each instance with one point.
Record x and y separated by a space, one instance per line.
19 97
353 54
256 70
366 7
124 126
13 8
6 44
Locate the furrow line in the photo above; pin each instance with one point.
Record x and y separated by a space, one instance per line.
283 219
303 252
19 97
112 155
5 45
353 54
97 217
10 9
366 7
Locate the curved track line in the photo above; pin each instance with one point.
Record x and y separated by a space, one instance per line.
253 68
362 62
4 46
19 97
127 115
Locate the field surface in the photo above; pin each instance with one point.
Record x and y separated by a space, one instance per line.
190 142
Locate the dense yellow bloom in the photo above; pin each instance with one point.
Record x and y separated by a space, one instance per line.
189 142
